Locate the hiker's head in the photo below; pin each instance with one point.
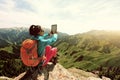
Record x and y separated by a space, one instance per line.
35 30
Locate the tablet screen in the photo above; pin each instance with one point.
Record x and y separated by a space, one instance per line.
54 28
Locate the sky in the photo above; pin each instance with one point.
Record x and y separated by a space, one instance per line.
71 16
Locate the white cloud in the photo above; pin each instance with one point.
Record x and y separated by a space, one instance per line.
72 16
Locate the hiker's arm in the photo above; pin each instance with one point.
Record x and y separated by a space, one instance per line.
50 40
45 35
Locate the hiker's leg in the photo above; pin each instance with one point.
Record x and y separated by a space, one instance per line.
28 74
47 54
54 57
54 52
50 55
47 50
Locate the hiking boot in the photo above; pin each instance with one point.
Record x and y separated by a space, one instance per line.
54 60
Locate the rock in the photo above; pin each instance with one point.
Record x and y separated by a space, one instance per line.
57 72
80 73
105 78
5 78
93 78
51 72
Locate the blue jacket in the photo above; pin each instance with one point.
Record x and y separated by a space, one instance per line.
43 41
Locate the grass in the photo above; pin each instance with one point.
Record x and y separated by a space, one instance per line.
8 49
91 60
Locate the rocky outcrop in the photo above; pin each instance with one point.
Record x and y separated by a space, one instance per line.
51 72
57 72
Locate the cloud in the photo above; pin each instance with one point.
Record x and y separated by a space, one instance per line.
23 5
73 14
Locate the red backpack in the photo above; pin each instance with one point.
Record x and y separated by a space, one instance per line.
29 55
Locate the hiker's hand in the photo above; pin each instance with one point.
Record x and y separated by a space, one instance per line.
44 58
39 58
53 32
49 34
56 32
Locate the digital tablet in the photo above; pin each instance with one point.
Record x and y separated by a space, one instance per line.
54 28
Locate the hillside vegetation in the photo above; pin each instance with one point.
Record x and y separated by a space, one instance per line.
10 43
92 51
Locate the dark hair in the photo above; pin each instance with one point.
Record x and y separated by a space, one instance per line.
34 29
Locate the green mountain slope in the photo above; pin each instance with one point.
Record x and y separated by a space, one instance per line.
10 36
90 51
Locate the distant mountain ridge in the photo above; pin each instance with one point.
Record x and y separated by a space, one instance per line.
17 35
12 35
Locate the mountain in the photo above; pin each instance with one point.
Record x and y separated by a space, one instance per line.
12 35
16 35
10 43
95 50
